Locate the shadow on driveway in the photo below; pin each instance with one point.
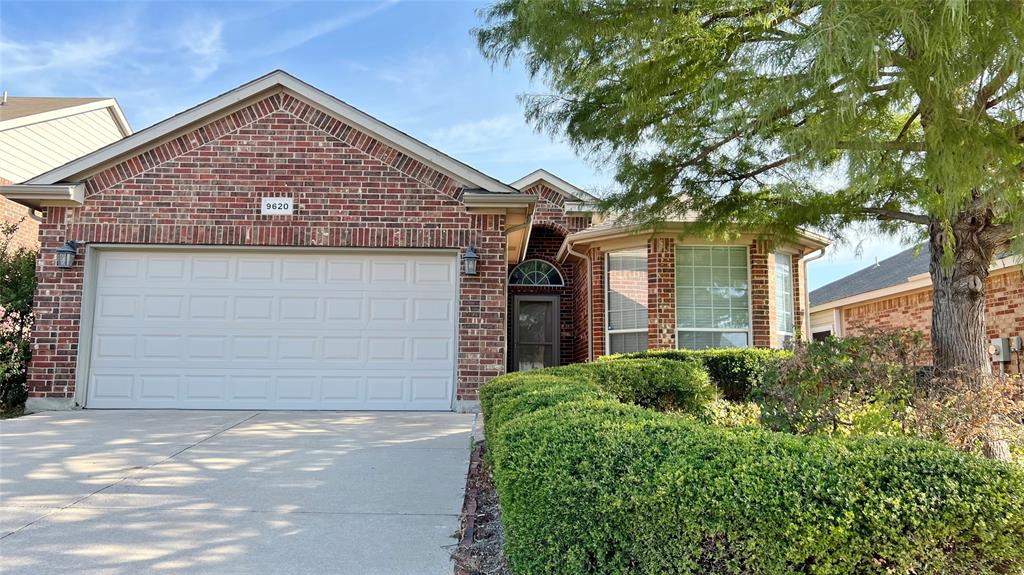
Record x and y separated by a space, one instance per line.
231 492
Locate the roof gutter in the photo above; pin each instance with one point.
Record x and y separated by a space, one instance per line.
807 294
39 197
487 200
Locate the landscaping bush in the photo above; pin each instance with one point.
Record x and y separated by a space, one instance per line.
18 278
856 385
738 373
591 485
659 384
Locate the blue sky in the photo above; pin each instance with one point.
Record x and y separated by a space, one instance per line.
414 65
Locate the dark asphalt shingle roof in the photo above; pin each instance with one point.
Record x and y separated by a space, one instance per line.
888 272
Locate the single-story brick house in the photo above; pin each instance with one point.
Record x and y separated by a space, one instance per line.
276 248
896 293
39 134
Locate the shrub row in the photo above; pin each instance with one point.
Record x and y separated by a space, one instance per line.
589 484
736 372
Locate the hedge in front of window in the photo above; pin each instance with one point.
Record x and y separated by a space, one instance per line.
598 486
738 373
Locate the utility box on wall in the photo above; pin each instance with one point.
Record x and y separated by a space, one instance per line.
1000 349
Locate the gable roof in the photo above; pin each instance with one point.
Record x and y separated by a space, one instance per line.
886 273
17 111
555 183
277 79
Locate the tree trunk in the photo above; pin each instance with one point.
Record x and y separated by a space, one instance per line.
959 336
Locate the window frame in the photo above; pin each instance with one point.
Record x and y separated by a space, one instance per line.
561 279
750 299
792 303
608 332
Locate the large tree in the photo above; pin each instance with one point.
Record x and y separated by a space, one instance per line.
905 115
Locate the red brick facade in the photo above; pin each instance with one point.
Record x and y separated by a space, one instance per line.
1004 310
27 235
762 302
203 188
661 296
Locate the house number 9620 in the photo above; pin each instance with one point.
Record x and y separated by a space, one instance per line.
277 206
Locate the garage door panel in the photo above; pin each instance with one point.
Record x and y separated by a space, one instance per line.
196 389
264 331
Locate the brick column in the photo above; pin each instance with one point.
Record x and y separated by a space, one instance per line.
760 302
597 293
661 293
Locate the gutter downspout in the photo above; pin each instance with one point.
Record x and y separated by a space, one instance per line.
807 294
590 299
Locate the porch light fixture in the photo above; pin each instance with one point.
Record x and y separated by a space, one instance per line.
66 254
469 261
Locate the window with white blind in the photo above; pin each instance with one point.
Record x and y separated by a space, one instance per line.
712 297
784 295
626 300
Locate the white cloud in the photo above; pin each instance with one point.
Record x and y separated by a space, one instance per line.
201 38
296 37
46 57
477 136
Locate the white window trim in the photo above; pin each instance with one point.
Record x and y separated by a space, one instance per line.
608 333
561 280
750 299
792 304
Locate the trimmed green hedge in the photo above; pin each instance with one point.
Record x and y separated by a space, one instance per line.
589 484
738 373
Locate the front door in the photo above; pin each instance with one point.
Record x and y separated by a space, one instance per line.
535 332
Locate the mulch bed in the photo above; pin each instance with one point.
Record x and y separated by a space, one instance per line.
481 538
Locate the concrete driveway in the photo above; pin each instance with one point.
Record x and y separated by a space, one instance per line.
231 492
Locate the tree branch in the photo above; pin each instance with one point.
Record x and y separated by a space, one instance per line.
896 215
759 170
906 125
989 89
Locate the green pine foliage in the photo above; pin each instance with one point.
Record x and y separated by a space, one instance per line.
589 484
780 114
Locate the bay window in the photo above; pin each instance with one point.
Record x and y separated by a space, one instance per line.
712 297
626 300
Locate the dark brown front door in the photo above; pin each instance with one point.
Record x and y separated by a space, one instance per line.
535 332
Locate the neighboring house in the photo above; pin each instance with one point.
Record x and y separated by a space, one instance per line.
896 293
275 248
39 134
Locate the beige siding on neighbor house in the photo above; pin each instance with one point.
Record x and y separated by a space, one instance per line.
30 150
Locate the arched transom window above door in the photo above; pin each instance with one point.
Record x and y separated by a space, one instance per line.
536 273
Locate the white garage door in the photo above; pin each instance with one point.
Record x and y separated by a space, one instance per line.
280 330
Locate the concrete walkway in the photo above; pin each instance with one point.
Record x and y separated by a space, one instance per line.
231 492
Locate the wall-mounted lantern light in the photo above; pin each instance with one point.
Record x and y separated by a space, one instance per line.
66 254
469 261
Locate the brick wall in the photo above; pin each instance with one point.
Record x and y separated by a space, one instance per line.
661 287
761 302
203 188
27 235
1004 310
581 289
